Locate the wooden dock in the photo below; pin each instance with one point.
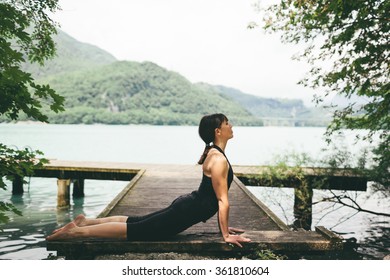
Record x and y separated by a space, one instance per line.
156 186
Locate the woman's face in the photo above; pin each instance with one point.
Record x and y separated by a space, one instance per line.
225 131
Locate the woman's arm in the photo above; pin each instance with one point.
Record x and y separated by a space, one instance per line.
219 173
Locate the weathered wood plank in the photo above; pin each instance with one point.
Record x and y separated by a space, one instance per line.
244 211
122 194
206 243
63 169
337 179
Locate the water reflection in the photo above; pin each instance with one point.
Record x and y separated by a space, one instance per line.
19 242
17 199
24 236
376 244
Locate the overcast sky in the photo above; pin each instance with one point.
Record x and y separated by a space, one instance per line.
203 40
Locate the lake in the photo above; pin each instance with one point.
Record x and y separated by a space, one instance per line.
24 237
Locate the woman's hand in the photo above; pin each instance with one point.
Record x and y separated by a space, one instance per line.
236 240
233 230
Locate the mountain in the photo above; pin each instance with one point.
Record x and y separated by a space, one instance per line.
100 89
260 106
71 55
275 111
126 92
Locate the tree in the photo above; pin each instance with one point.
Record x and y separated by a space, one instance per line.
25 36
347 44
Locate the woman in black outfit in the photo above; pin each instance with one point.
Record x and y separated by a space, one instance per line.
186 210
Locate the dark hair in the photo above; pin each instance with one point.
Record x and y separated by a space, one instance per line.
207 127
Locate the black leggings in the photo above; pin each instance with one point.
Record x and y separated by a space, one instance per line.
163 223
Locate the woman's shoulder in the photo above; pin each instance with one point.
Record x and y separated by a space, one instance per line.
215 159
216 155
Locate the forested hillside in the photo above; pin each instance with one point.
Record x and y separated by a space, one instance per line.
131 92
71 55
276 108
100 89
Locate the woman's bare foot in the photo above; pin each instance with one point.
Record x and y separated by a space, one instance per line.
78 221
64 233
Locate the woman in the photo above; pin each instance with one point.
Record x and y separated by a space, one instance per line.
186 210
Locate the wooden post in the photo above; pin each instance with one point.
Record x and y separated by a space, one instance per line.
17 185
303 196
78 188
63 197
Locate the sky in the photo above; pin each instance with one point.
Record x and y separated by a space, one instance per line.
203 40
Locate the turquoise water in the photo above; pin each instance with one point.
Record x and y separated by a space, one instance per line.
24 237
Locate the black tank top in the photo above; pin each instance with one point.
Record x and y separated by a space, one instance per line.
206 195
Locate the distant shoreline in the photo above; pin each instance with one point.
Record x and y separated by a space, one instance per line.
139 124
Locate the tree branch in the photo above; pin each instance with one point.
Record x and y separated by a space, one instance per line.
339 199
